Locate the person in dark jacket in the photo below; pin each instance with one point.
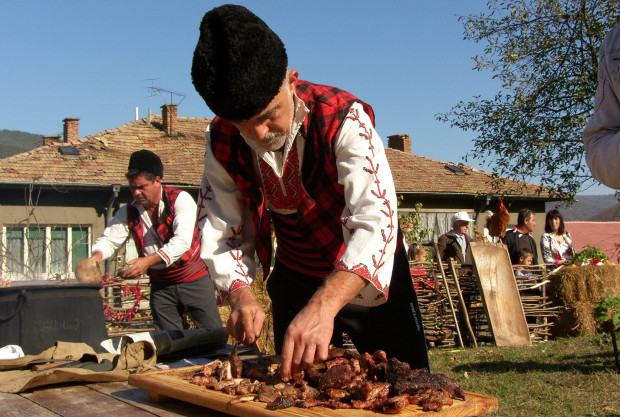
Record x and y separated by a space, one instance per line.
521 236
455 243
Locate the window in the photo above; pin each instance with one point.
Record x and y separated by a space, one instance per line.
44 251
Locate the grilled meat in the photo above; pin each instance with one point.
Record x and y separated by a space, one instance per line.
346 380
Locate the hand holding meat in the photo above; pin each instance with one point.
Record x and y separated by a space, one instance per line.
308 336
306 340
246 318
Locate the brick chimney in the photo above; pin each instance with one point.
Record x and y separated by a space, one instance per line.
71 130
400 142
51 139
169 116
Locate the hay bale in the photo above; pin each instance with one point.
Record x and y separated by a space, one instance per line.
578 290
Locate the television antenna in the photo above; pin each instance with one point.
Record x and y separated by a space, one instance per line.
163 93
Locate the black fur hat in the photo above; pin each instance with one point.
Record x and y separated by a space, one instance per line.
239 62
147 161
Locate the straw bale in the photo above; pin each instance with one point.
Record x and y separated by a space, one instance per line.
578 290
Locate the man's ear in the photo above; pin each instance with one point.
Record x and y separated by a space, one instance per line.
293 76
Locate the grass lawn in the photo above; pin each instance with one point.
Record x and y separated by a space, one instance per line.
564 377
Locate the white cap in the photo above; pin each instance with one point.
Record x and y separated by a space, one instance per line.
461 216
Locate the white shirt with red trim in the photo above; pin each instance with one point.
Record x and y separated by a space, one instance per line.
117 232
371 208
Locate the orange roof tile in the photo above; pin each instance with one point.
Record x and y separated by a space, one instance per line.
103 159
418 174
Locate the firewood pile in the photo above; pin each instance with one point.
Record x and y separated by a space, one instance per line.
541 312
439 325
468 321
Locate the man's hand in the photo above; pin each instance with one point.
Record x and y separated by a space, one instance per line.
140 265
307 338
246 317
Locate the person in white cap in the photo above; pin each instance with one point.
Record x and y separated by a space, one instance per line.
455 243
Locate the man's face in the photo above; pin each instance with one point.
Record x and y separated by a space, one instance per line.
461 227
268 129
145 192
530 222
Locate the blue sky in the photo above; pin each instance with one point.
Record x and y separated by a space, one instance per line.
95 60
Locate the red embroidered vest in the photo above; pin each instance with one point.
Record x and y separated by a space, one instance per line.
189 266
322 199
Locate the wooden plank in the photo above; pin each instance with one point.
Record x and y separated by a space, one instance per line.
12 405
500 294
171 383
78 400
140 398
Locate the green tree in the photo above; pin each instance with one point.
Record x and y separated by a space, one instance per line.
545 55
411 225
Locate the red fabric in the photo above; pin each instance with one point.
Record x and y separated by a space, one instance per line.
291 180
295 252
189 266
420 278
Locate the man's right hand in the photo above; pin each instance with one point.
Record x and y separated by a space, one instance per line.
246 318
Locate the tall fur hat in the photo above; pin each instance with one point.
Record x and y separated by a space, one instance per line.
239 63
147 161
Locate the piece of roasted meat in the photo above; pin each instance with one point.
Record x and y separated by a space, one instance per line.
346 380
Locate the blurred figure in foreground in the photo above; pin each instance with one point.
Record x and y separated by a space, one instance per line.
602 134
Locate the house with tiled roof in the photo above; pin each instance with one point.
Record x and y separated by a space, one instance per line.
57 198
443 188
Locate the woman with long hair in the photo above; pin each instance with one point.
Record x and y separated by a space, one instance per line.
555 244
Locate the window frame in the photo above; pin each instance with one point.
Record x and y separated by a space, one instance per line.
25 273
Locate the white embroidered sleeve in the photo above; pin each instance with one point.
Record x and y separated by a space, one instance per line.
227 243
370 220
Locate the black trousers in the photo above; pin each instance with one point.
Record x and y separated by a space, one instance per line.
197 297
395 326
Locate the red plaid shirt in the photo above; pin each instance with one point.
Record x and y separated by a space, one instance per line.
322 199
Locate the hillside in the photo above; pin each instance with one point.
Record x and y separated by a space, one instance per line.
589 208
14 141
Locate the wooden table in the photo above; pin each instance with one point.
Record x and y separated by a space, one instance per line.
117 399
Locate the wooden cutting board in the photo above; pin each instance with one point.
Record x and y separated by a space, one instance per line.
171 384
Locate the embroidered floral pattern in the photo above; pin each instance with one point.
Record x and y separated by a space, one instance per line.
203 195
285 195
379 193
237 254
362 271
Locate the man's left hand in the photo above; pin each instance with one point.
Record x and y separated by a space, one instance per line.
140 265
